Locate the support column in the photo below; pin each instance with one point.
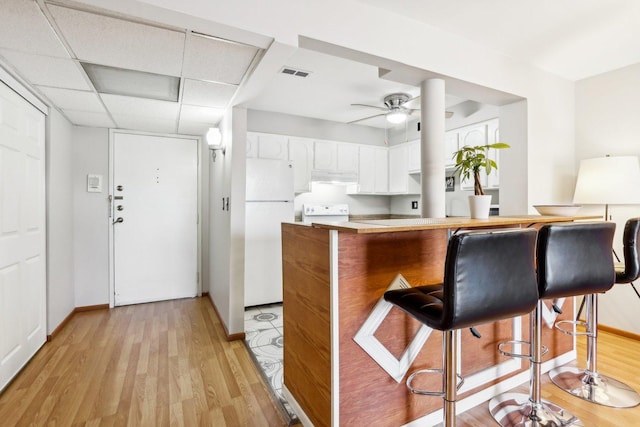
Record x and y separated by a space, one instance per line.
432 148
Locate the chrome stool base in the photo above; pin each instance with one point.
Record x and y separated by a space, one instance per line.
517 410
594 387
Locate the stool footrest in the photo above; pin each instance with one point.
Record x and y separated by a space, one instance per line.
545 349
560 325
428 392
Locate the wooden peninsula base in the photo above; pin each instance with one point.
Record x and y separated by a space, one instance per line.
347 353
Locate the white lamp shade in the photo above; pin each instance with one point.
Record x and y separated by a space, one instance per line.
608 181
214 138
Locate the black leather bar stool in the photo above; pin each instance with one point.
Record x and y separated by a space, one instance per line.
488 276
629 270
589 384
572 259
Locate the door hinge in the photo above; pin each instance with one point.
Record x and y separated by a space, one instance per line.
197 277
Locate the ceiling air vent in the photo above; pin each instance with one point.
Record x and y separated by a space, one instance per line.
294 72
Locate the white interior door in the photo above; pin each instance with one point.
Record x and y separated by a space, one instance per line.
155 183
22 233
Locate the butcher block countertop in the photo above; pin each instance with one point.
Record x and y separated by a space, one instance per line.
413 224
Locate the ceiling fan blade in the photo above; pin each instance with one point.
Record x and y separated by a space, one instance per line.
371 106
365 118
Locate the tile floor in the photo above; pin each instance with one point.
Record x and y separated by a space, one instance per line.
263 330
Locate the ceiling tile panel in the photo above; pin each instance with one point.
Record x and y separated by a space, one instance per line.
190 113
193 128
207 94
59 72
109 41
216 60
145 123
68 99
23 27
87 118
125 105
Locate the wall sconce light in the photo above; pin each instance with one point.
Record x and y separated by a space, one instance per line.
214 140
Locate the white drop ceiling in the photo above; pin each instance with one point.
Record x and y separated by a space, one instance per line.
44 41
58 38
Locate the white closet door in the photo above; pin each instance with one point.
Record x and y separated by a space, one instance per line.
22 233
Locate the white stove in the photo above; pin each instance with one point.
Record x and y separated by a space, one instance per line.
325 213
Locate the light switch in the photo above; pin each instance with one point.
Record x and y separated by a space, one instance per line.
94 183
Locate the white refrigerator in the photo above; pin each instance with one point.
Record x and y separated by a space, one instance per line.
269 202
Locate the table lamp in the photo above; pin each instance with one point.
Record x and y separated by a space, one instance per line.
608 181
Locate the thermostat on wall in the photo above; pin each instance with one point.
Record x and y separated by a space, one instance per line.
94 183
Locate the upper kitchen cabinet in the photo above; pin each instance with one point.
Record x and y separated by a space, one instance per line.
413 157
400 180
335 156
493 136
267 146
450 147
481 134
373 171
301 154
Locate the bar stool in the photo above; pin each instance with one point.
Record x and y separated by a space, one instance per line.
572 259
629 270
589 384
488 276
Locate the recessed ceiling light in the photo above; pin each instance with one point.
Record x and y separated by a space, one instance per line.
139 84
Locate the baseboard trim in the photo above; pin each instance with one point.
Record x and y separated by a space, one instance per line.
91 307
228 336
620 332
70 315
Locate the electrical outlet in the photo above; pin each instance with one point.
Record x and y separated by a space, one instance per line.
414 204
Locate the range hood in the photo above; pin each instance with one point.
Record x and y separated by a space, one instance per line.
334 177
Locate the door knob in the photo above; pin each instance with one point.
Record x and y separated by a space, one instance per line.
119 219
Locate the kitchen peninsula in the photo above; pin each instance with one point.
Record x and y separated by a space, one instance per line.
347 352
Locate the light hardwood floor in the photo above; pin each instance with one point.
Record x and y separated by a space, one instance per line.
618 357
157 364
168 363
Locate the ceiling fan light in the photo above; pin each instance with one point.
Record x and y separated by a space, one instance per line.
396 117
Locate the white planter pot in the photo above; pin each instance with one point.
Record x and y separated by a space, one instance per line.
479 206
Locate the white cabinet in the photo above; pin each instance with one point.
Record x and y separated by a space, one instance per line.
400 180
267 146
398 172
450 147
347 160
252 145
413 157
335 156
472 136
325 155
381 170
493 136
373 171
272 147
301 154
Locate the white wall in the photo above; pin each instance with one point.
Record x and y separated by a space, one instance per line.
607 123
60 280
226 265
90 217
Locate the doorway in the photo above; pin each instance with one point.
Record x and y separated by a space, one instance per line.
154 218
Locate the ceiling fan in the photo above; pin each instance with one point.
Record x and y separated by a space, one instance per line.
394 110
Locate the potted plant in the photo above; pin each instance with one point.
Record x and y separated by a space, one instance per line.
471 161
